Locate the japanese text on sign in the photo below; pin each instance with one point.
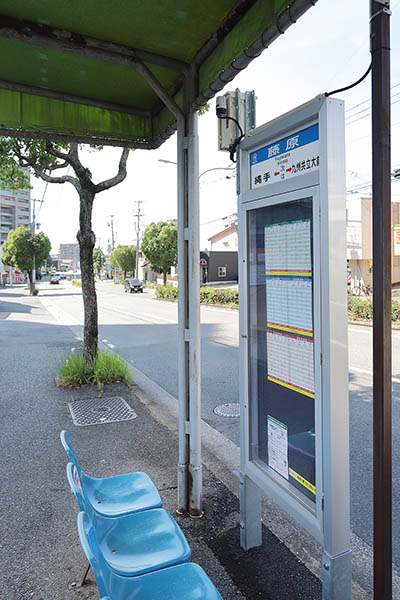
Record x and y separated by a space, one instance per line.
286 158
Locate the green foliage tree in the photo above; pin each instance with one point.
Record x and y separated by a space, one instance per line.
44 158
20 247
98 260
124 258
160 246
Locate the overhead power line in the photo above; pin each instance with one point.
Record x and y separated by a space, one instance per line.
349 122
367 100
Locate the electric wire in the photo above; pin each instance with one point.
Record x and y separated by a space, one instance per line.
368 99
348 87
365 116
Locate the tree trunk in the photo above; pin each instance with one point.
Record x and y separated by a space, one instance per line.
165 277
30 283
87 239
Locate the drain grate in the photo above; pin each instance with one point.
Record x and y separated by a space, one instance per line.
96 411
232 409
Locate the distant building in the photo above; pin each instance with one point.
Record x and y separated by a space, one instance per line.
219 266
224 240
15 210
69 255
359 240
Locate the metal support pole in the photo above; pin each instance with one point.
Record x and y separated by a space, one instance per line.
189 461
183 388
195 472
382 284
250 513
189 467
32 283
138 215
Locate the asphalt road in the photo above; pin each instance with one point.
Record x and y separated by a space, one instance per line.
144 331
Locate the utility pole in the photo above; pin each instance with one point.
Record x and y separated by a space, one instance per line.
32 283
111 224
382 285
138 214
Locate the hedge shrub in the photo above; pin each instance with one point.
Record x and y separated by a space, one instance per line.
167 292
208 295
361 308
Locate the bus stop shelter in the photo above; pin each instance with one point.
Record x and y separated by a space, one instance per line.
131 74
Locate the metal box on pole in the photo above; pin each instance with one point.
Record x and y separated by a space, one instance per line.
293 330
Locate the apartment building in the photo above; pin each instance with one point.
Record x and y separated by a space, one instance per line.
15 210
359 240
69 255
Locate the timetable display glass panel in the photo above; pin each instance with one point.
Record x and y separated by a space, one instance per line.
281 341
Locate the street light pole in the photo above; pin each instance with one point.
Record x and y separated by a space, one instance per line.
172 162
112 236
137 229
32 283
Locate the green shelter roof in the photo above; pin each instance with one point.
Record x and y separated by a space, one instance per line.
80 70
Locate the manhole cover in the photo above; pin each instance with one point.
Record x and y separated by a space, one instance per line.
96 411
232 409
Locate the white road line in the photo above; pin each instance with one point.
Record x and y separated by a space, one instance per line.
361 329
366 372
368 330
110 345
105 341
148 318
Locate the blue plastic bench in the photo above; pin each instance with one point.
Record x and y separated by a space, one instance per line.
113 496
137 543
185 581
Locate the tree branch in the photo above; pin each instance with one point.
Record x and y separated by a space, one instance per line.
63 179
58 166
108 183
56 153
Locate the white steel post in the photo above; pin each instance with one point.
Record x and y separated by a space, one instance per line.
250 513
336 572
189 466
193 234
183 392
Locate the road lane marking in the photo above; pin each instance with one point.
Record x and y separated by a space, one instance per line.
367 329
58 313
148 318
366 372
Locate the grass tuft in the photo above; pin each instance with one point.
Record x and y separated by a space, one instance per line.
105 368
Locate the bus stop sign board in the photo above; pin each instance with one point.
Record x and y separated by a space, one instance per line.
293 326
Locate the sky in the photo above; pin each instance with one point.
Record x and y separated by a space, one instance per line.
328 48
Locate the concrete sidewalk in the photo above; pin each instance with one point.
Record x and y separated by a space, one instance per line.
41 558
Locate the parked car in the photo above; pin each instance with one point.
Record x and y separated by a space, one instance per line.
55 279
133 285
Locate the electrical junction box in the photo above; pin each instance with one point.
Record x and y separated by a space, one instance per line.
228 131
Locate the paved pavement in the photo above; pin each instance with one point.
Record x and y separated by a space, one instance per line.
144 331
40 554
144 335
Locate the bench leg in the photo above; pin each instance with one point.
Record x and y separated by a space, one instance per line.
84 575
